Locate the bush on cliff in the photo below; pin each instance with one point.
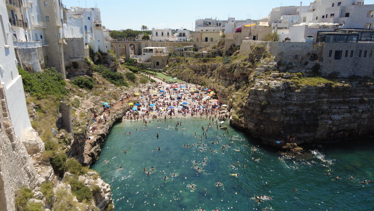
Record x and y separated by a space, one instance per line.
131 76
115 78
58 163
81 191
74 167
42 84
47 190
22 197
83 82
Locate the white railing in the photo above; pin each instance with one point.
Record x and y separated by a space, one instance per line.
36 44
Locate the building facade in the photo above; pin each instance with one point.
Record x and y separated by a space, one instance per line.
225 26
10 80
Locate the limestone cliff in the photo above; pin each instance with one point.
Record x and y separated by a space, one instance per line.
284 106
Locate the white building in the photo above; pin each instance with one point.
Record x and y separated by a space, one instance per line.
321 15
148 52
183 35
10 80
162 35
86 23
225 26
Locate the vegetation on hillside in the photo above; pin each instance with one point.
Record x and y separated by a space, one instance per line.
115 78
128 33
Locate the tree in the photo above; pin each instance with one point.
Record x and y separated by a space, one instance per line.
145 36
272 37
144 28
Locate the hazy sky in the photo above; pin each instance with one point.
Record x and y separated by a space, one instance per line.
124 14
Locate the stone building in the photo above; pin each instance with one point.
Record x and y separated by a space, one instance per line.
203 39
159 61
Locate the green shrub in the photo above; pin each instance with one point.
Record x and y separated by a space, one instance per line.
110 207
58 163
47 155
96 189
264 104
113 77
316 69
131 62
76 103
22 197
133 69
42 84
75 65
81 191
47 191
83 82
143 80
131 76
33 206
226 60
74 167
64 201
50 145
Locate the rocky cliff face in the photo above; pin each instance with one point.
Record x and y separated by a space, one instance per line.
285 107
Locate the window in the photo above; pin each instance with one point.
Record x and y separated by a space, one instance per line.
156 33
327 15
206 39
89 18
346 53
162 34
332 5
332 15
211 39
157 63
339 4
91 30
367 25
46 18
347 14
360 53
304 19
41 36
323 16
3 30
317 18
168 34
352 52
85 28
370 53
330 53
365 53
338 55
45 4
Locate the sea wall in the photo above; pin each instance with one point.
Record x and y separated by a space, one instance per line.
32 58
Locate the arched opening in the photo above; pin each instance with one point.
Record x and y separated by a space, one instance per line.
157 63
132 50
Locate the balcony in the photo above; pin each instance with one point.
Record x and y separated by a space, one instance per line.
12 3
36 44
39 25
17 23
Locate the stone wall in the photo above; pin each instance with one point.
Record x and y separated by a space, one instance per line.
16 169
169 45
74 55
32 59
356 59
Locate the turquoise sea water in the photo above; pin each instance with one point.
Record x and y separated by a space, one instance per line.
263 172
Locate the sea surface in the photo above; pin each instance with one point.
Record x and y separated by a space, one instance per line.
192 173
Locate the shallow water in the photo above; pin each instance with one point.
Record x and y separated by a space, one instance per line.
193 189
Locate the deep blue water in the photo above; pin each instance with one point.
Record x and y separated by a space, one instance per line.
133 189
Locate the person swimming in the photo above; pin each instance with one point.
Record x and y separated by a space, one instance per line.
165 178
125 151
144 169
106 161
157 135
120 168
159 148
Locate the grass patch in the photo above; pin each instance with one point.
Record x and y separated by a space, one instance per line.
311 81
74 167
82 192
22 198
83 82
115 78
47 191
43 84
130 76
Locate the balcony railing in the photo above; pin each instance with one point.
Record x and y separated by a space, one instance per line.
13 3
39 24
27 44
18 23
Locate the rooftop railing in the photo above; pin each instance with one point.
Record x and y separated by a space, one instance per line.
14 3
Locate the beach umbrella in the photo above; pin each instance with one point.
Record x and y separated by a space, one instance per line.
107 106
214 100
171 107
210 95
205 89
176 88
136 94
131 103
137 104
180 107
172 96
154 92
211 92
185 103
105 103
162 91
152 105
181 86
149 85
135 109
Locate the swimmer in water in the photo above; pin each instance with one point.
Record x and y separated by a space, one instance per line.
336 178
152 168
157 135
129 133
351 178
148 173
159 149
106 161
165 178
294 190
218 184
136 129
120 168
144 169
124 151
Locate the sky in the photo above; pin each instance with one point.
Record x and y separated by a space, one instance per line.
160 14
